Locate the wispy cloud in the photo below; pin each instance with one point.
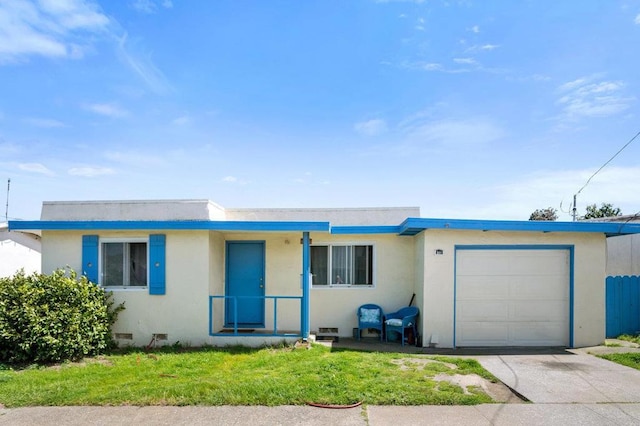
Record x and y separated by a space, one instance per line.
181 121
467 61
142 64
482 47
90 171
150 6
35 168
47 123
48 28
475 29
591 97
230 179
453 133
371 127
134 158
637 20
108 110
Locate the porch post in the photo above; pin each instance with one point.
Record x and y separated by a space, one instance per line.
306 272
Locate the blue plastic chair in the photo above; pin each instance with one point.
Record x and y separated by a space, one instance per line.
401 320
370 316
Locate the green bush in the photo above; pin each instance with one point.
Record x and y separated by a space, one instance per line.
51 318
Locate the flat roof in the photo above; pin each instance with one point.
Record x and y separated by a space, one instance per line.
409 227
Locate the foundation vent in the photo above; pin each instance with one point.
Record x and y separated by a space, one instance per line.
160 336
123 336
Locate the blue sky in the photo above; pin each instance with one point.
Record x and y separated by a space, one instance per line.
467 109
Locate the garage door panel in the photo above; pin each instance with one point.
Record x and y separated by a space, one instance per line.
490 333
540 311
512 297
538 334
481 287
480 311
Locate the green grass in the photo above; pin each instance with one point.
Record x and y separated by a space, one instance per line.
241 376
630 338
629 359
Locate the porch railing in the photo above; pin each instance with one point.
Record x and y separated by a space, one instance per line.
238 332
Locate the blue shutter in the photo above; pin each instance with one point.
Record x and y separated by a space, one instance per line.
90 257
157 270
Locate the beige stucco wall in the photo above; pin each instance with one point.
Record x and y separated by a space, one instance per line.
589 275
182 313
394 283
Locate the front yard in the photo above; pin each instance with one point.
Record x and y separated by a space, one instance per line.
243 376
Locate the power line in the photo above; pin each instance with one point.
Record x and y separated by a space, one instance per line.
598 171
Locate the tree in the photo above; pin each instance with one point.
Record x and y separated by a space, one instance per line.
544 214
605 210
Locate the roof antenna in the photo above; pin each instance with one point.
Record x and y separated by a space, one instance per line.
6 211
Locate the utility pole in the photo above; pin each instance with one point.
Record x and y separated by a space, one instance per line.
6 210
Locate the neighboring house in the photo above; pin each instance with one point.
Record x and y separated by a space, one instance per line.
18 250
194 272
623 252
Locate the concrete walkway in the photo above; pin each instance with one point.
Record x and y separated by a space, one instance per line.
486 414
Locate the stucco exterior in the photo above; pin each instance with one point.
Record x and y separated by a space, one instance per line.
409 257
18 251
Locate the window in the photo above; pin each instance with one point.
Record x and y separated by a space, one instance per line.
124 264
342 265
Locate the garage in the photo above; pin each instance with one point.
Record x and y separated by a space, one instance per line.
515 296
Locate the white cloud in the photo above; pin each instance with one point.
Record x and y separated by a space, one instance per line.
588 97
90 171
454 133
371 127
489 46
35 168
142 64
49 28
229 179
616 185
637 20
134 158
48 123
107 110
150 6
475 29
467 61
181 121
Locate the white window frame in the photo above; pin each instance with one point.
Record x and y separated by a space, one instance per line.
329 285
122 287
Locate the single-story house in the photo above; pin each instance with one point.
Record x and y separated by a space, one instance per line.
18 250
194 272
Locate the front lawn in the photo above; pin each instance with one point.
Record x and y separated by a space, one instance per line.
243 376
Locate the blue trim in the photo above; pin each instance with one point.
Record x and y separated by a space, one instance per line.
90 252
413 226
569 248
157 264
343 230
210 225
238 332
306 271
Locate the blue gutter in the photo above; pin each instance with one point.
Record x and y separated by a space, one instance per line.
413 226
154 225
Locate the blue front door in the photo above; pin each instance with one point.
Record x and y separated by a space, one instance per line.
245 282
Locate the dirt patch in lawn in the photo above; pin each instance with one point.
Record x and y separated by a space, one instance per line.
498 391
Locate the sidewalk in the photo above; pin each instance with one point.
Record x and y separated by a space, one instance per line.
486 414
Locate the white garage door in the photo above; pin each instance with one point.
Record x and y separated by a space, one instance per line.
512 297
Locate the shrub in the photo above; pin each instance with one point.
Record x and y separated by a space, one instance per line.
51 318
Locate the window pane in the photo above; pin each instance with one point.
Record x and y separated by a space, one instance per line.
363 265
137 264
112 264
319 264
340 268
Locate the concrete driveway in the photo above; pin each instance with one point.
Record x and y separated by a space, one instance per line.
565 377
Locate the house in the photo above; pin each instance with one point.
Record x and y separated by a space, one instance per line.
18 250
194 272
